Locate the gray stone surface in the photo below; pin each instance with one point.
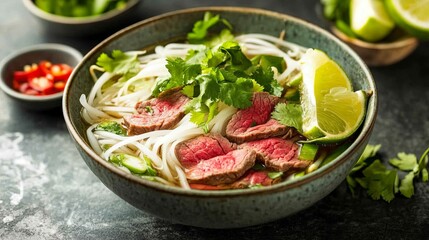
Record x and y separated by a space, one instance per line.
47 192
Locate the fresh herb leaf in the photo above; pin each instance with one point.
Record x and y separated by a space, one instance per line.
224 35
201 113
182 74
405 162
237 94
201 28
289 115
364 160
235 58
379 181
407 185
384 183
264 76
111 126
120 63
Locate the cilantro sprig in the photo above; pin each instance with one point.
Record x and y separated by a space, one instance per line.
119 63
200 31
289 114
382 182
217 73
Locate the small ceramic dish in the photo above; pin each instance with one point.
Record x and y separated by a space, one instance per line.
55 53
397 46
83 26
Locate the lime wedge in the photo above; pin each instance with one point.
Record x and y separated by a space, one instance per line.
332 111
412 15
369 19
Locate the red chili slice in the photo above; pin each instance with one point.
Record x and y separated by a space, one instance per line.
41 79
59 85
42 84
60 72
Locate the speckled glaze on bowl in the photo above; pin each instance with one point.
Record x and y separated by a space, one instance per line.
83 26
54 52
232 208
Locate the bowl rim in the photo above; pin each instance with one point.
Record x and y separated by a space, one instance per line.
364 135
35 48
29 4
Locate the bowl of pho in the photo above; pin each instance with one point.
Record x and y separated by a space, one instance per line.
233 117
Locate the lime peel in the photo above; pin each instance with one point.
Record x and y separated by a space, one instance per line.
411 15
370 20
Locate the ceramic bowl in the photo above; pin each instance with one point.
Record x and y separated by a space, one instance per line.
232 208
397 46
55 53
84 26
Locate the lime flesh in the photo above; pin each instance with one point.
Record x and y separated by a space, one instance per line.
332 111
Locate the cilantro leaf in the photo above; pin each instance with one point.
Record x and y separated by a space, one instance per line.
289 115
265 78
364 160
384 183
202 113
405 162
238 94
236 60
181 72
111 126
119 63
407 185
380 182
201 28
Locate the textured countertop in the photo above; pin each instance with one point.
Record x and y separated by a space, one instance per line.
47 191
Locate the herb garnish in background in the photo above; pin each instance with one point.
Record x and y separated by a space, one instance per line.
79 8
382 182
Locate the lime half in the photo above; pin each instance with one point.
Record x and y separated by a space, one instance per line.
412 15
369 19
332 111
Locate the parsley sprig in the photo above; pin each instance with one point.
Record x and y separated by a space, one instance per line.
385 183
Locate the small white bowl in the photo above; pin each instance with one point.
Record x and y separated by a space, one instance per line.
56 53
84 26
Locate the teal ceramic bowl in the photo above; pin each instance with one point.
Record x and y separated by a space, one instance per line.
232 208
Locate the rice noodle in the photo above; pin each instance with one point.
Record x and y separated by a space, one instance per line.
113 101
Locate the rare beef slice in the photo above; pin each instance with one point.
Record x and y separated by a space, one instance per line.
222 169
255 122
163 112
277 153
193 151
